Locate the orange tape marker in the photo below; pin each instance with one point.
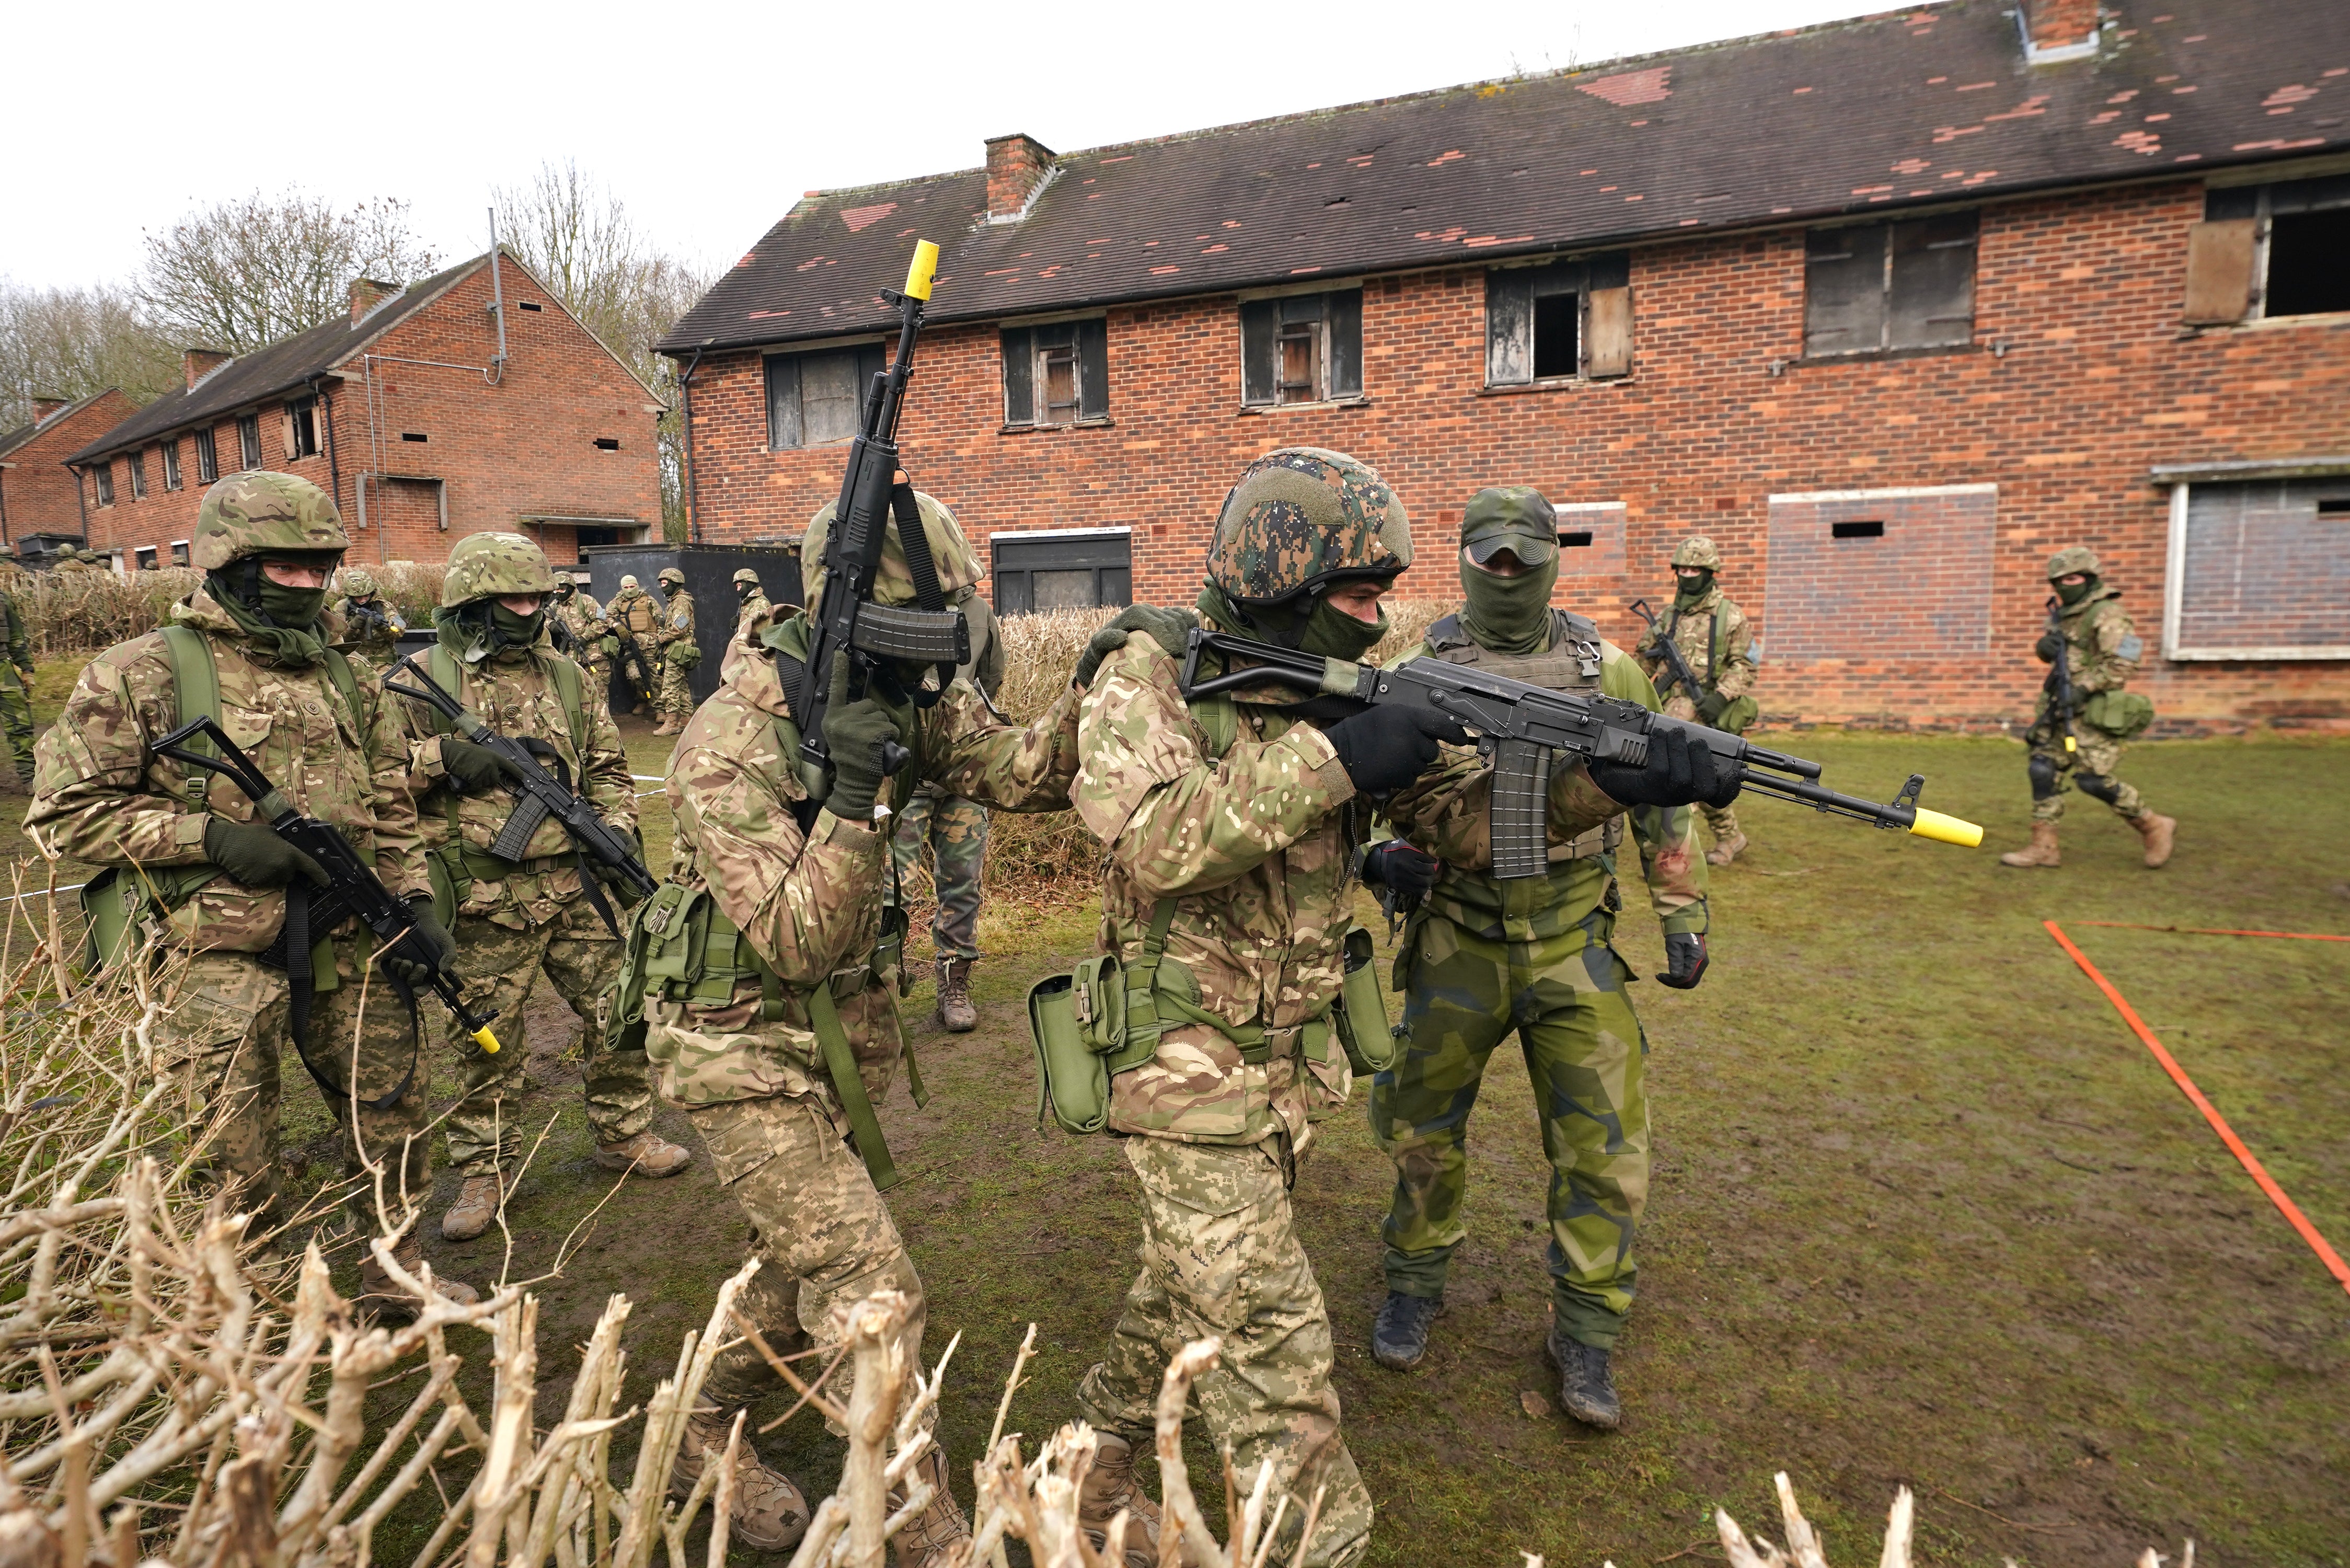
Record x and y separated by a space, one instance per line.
2244 1157
2214 931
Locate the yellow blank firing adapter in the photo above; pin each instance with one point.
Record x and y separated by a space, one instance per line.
1930 825
489 1042
917 277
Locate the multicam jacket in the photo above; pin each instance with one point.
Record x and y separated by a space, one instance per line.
583 618
1716 639
515 694
810 900
1447 812
677 619
635 613
103 796
2102 647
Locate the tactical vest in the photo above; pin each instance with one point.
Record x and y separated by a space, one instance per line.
1571 663
1712 646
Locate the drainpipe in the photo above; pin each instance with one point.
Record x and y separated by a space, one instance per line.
81 503
4 467
692 473
334 463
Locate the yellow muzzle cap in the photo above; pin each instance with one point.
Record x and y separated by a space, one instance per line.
926 262
1941 829
489 1042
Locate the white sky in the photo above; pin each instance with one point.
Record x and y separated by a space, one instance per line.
708 118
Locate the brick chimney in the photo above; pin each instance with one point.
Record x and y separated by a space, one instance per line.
47 404
203 362
367 293
1017 168
2059 29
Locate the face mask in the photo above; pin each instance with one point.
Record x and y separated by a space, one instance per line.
1509 615
293 609
1689 590
2074 593
1334 634
516 629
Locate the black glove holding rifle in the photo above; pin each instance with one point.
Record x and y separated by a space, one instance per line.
1404 877
862 738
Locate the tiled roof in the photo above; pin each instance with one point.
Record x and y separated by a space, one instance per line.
22 433
1906 108
280 367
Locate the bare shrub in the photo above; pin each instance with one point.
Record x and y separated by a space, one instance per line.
68 613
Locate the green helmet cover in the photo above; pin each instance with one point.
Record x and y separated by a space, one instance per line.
491 566
260 512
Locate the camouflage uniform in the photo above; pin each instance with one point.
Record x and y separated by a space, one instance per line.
676 638
17 692
1717 642
105 797
954 829
519 918
583 618
371 628
636 614
2103 649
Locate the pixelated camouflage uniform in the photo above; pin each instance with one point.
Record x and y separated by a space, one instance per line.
17 690
2103 651
1484 959
516 919
809 902
103 796
676 698
1718 641
636 614
952 829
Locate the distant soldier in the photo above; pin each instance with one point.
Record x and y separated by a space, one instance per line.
2092 648
70 559
371 628
584 628
679 653
636 620
17 692
1718 642
750 597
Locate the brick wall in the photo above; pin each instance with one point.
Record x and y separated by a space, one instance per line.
2079 381
37 492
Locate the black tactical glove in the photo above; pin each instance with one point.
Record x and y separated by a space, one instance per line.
1384 749
1396 865
253 855
1711 707
856 733
1685 961
2048 646
478 768
428 936
1681 769
1167 627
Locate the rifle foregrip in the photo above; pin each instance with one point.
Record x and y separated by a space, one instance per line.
1520 813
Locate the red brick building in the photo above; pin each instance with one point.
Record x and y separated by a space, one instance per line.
38 492
424 416
1891 308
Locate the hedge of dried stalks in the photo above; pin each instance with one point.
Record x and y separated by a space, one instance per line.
76 613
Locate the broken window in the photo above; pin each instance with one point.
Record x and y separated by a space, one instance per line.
814 399
248 439
1057 374
138 476
1302 347
207 458
1564 320
302 428
1878 286
2269 250
171 450
102 478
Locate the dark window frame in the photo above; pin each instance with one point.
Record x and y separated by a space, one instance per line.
1030 351
2301 206
138 475
142 558
248 442
1016 558
207 457
1328 322
1896 286
1516 352
303 413
179 552
786 388
172 478
101 476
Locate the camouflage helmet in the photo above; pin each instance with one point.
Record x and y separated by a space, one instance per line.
670 577
951 555
2070 559
67 552
260 512
745 575
491 565
1696 550
1300 517
357 584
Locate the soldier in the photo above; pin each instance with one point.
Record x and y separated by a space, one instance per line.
1718 642
750 599
679 654
1483 959
371 628
776 1030
210 884
591 640
518 918
69 559
17 692
2102 648
635 618
955 830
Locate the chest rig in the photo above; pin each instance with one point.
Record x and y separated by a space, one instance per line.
1571 663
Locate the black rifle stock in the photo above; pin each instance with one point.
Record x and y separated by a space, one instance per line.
538 794
1520 726
1676 666
2060 674
352 888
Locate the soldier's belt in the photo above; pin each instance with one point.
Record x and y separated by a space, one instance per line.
483 866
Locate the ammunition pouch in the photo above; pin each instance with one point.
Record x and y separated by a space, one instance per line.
1361 1013
2120 715
115 901
684 653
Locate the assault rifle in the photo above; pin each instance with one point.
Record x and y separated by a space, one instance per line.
1519 727
1676 666
352 888
2060 673
538 794
846 620
359 619
632 657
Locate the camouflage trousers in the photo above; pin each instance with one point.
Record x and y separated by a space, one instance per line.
1721 819
822 1234
956 831
676 698
643 681
1221 1256
1564 997
223 1043
2054 770
17 718
502 967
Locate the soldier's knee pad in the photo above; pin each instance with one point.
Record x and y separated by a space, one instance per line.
2098 784
2042 771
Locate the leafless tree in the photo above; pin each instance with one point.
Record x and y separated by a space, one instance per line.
245 274
71 342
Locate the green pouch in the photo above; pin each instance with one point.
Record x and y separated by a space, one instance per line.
684 655
1360 1013
2121 714
1741 711
658 951
1097 1000
1092 1023
109 916
1072 1077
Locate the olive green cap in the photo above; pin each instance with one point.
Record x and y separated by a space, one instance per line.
1512 517
261 513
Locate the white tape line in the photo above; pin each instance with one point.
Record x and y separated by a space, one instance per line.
43 893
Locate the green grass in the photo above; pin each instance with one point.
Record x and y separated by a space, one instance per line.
1924 1212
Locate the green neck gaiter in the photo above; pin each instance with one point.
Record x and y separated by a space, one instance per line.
1688 593
2074 593
1509 615
285 627
519 629
482 629
1310 626
1334 634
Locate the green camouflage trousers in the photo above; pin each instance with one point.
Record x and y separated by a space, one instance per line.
501 966
226 1044
2054 769
1221 1256
822 1233
1565 999
956 831
676 692
17 718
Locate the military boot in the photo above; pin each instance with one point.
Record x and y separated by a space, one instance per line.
929 1540
646 1153
476 1209
2042 851
1399 1332
770 1512
1586 1389
954 1010
668 725
1108 1487
1726 851
382 1298
2158 830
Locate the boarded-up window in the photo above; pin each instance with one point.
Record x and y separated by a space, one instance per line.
1562 319
1302 347
1876 286
813 399
2297 259
170 450
2262 570
1056 374
138 476
2219 258
1832 553
102 478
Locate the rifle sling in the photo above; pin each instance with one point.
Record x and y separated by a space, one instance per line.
840 1066
915 541
293 953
